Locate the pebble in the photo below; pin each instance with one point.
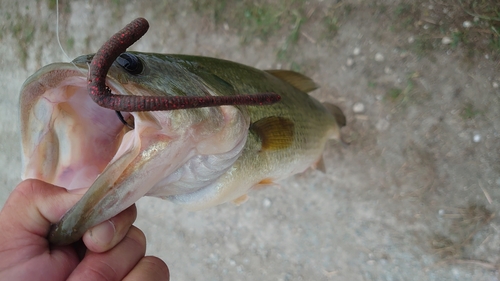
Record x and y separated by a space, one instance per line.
446 40
266 202
356 51
495 85
467 24
411 39
387 70
382 125
358 107
349 62
379 57
441 212
476 138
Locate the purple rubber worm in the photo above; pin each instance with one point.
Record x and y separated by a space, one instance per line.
116 45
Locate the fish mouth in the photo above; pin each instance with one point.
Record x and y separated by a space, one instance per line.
47 99
70 141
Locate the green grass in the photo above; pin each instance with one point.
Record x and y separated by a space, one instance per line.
394 93
402 96
457 38
402 9
250 18
261 20
70 43
23 30
52 4
480 38
469 112
278 19
423 45
331 26
217 9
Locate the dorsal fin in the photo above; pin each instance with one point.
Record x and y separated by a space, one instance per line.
299 81
337 113
274 132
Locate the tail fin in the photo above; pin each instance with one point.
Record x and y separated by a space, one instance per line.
339 117
337 113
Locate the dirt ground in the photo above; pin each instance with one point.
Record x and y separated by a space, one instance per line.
414 197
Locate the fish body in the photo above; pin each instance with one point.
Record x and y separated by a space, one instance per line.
196 157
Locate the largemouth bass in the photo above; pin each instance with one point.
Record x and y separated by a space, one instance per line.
196 157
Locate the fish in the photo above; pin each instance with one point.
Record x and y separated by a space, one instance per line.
196 157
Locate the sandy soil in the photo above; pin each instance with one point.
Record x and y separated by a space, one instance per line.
414 197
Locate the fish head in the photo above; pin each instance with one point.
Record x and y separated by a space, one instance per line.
70 141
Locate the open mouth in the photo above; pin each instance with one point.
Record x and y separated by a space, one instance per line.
70 141
79 137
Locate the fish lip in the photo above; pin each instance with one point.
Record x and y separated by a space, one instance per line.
74 69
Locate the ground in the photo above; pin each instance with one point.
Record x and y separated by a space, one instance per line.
413 197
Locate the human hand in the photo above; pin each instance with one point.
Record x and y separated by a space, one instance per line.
115 248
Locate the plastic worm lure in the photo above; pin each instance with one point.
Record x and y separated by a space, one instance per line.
116 45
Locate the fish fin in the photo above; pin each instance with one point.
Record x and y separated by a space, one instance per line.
267 182
299 81
240 200
320 165
339 117
274 132
337 113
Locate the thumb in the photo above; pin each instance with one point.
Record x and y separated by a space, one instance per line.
33 206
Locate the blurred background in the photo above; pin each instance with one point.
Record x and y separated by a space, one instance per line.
415 195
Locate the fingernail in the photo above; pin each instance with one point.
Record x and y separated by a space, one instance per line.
103 233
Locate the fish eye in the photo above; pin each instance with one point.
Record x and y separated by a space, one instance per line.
130 62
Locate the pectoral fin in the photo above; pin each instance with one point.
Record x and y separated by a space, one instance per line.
240 200
274 132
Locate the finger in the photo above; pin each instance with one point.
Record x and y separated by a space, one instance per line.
106 235
149 268
25 220
115 263
35 205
